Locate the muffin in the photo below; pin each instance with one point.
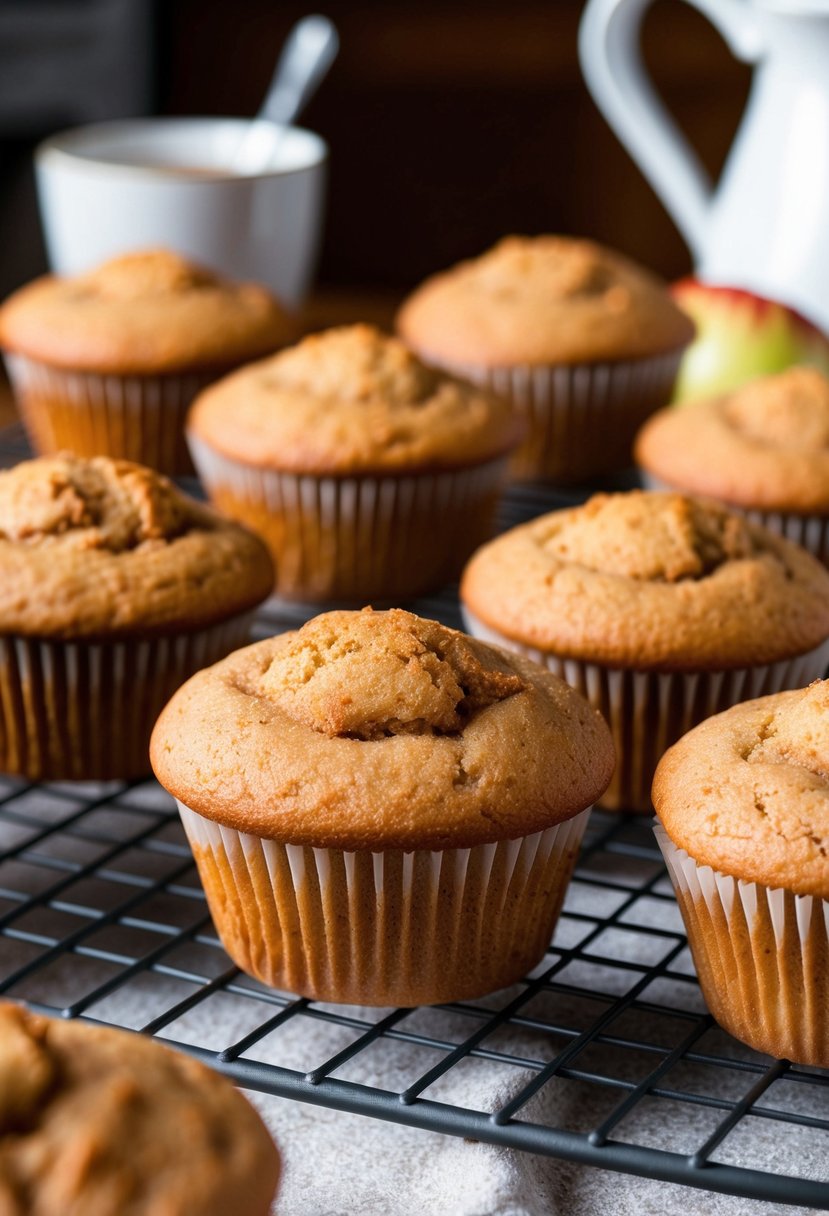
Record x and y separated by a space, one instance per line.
763 449
114 588
108 362
383 811
370 476
98 1122
743 804
583 344
660 609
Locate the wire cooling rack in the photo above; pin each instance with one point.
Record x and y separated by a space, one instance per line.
605 1052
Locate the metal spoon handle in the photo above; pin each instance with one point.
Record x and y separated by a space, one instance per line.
308 53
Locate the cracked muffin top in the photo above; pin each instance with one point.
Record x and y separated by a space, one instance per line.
650 580
381 730
544 299
104 548
351 399
747 792
95 1121
146 312
766 445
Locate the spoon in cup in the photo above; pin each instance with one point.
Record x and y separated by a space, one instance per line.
310 49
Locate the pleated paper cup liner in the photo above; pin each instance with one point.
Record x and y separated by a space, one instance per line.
384 928
85 710
811 532
761 954
648 711
582 418
354 539
138 418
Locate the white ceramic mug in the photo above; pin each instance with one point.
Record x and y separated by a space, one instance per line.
143 183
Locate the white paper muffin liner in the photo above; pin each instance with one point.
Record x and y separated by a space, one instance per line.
648 711
761 954
385 928
582 418
85 710
811 532
354 539
138 418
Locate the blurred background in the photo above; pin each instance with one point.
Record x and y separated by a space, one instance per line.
450 122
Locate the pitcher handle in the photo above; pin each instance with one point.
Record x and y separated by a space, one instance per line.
612 66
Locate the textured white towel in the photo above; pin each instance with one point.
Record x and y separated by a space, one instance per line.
346 1165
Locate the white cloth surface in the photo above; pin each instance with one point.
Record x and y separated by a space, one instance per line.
339 1164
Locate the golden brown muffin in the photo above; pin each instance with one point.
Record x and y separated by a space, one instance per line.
106 363
541 300
743 800
104 548
368 474
97 1122
765 815
379 748
351 400
143 313
763 448
582 343
662 608
114 587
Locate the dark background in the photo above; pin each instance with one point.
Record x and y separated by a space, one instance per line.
450 124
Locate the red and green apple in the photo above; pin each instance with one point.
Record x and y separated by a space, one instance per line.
740 336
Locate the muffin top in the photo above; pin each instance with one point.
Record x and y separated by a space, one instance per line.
351 400
766 445
104 548
381 730
143 313
747 791
98 1121
544 299
651 580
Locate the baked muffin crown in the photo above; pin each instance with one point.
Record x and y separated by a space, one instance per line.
91 504
95 548
378 730
747 791
354 363
650 537
91 1120
651 580
144 274
151 311
544 299
765 445
789 410
553 266
369 676
351 399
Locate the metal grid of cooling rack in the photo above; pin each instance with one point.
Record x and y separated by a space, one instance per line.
604 1054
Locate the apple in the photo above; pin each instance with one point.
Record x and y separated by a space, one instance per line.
740 336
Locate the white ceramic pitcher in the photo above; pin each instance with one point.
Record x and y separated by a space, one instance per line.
766 225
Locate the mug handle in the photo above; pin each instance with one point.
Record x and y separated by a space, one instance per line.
612 66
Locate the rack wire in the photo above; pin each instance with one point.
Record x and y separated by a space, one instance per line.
604 1054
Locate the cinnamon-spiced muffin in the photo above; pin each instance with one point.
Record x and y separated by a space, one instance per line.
763 449
114 588
579 339
107 363
661 609
743 803
370 476
98 1122
383 810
